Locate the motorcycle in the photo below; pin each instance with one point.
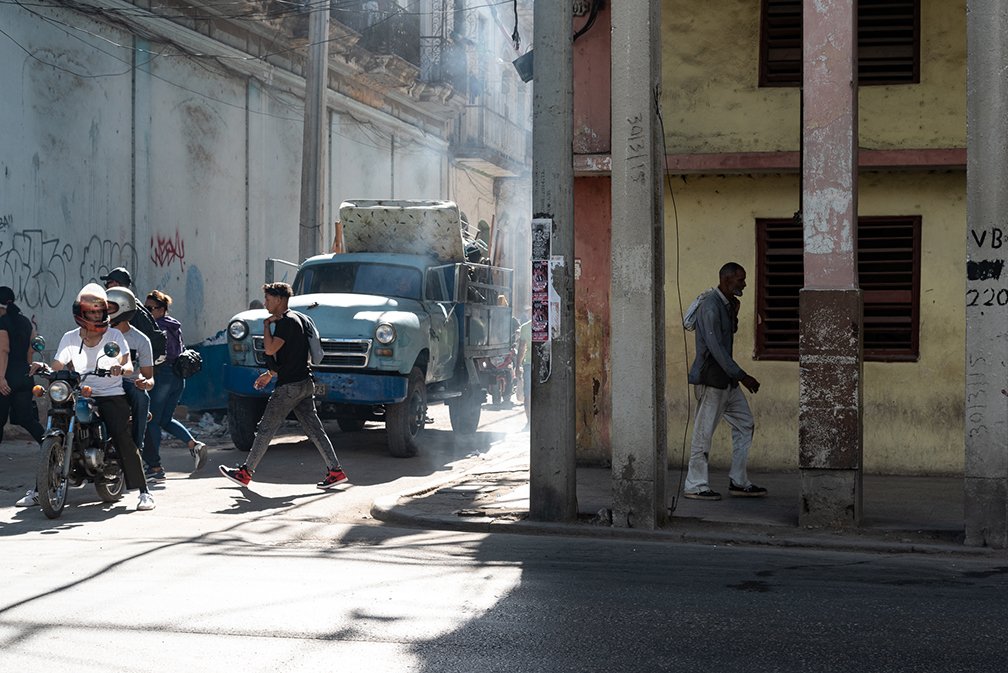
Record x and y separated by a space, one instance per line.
76 445
498 376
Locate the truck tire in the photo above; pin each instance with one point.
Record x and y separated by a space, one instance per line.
405 421
244 414
349 424
464 411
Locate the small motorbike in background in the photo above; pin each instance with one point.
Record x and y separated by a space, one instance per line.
76 445
498 376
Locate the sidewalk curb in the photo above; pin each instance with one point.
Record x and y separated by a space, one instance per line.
396 509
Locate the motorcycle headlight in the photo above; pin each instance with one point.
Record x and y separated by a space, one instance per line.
59 391
238 329
385 334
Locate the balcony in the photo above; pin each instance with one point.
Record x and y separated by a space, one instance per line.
488 142
384 27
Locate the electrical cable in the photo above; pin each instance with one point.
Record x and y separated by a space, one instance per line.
675 217
592 15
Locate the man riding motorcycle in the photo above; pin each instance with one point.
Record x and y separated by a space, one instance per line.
80 349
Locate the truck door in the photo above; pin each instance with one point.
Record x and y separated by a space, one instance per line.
439 302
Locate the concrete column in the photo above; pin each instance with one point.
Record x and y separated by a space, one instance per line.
986 426
830 344
316 133
637 324
552 477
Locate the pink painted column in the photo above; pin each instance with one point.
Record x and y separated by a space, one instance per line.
830 345
829 169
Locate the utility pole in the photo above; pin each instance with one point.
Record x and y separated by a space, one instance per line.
313 156
986 392
552 475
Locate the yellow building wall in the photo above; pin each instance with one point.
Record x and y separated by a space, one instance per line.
913 411
711 101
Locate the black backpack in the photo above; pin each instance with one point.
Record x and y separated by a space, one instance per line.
188 363
144 321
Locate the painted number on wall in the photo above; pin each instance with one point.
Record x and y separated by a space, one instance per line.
987 296
636 150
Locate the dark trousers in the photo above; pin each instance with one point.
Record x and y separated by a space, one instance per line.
115 411
20 406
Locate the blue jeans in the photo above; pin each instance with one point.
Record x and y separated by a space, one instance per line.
139 402
164 397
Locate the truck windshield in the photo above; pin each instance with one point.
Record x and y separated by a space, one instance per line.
384 280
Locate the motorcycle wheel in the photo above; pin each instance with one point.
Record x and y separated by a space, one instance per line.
112 486
52 487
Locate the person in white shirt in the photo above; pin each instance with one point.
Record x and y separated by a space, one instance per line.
83 349
122 304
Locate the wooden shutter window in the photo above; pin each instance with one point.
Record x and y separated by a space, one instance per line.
888 42
888 275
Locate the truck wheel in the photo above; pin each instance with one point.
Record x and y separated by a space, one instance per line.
348 424
244 414
405 421
52 487
464 411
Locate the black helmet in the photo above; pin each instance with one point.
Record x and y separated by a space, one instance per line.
122 304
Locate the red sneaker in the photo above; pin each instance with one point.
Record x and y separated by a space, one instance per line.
239 475
332 478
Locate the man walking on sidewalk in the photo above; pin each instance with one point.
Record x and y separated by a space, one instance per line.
287 352
716 377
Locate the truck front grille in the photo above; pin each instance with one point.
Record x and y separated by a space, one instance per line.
338 352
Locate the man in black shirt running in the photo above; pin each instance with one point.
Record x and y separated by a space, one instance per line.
286 349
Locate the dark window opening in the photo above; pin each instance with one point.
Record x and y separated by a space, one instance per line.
888 252
888 42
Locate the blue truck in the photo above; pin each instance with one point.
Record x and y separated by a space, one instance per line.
405 322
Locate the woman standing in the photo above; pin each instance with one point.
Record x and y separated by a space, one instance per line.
165 396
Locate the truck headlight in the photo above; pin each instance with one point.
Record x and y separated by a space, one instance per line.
385 333
238 329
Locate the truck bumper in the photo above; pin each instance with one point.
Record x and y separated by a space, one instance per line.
338 387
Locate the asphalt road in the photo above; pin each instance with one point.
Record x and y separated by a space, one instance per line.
284 578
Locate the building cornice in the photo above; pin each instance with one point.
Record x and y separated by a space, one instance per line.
722 163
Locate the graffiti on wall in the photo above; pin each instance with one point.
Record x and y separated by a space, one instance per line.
167 251
6 221
35 267
103 255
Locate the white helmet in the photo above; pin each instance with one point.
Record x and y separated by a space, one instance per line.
122 304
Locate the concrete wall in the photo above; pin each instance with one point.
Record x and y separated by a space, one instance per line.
912 410
592 51
593 266
184 172
712 102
